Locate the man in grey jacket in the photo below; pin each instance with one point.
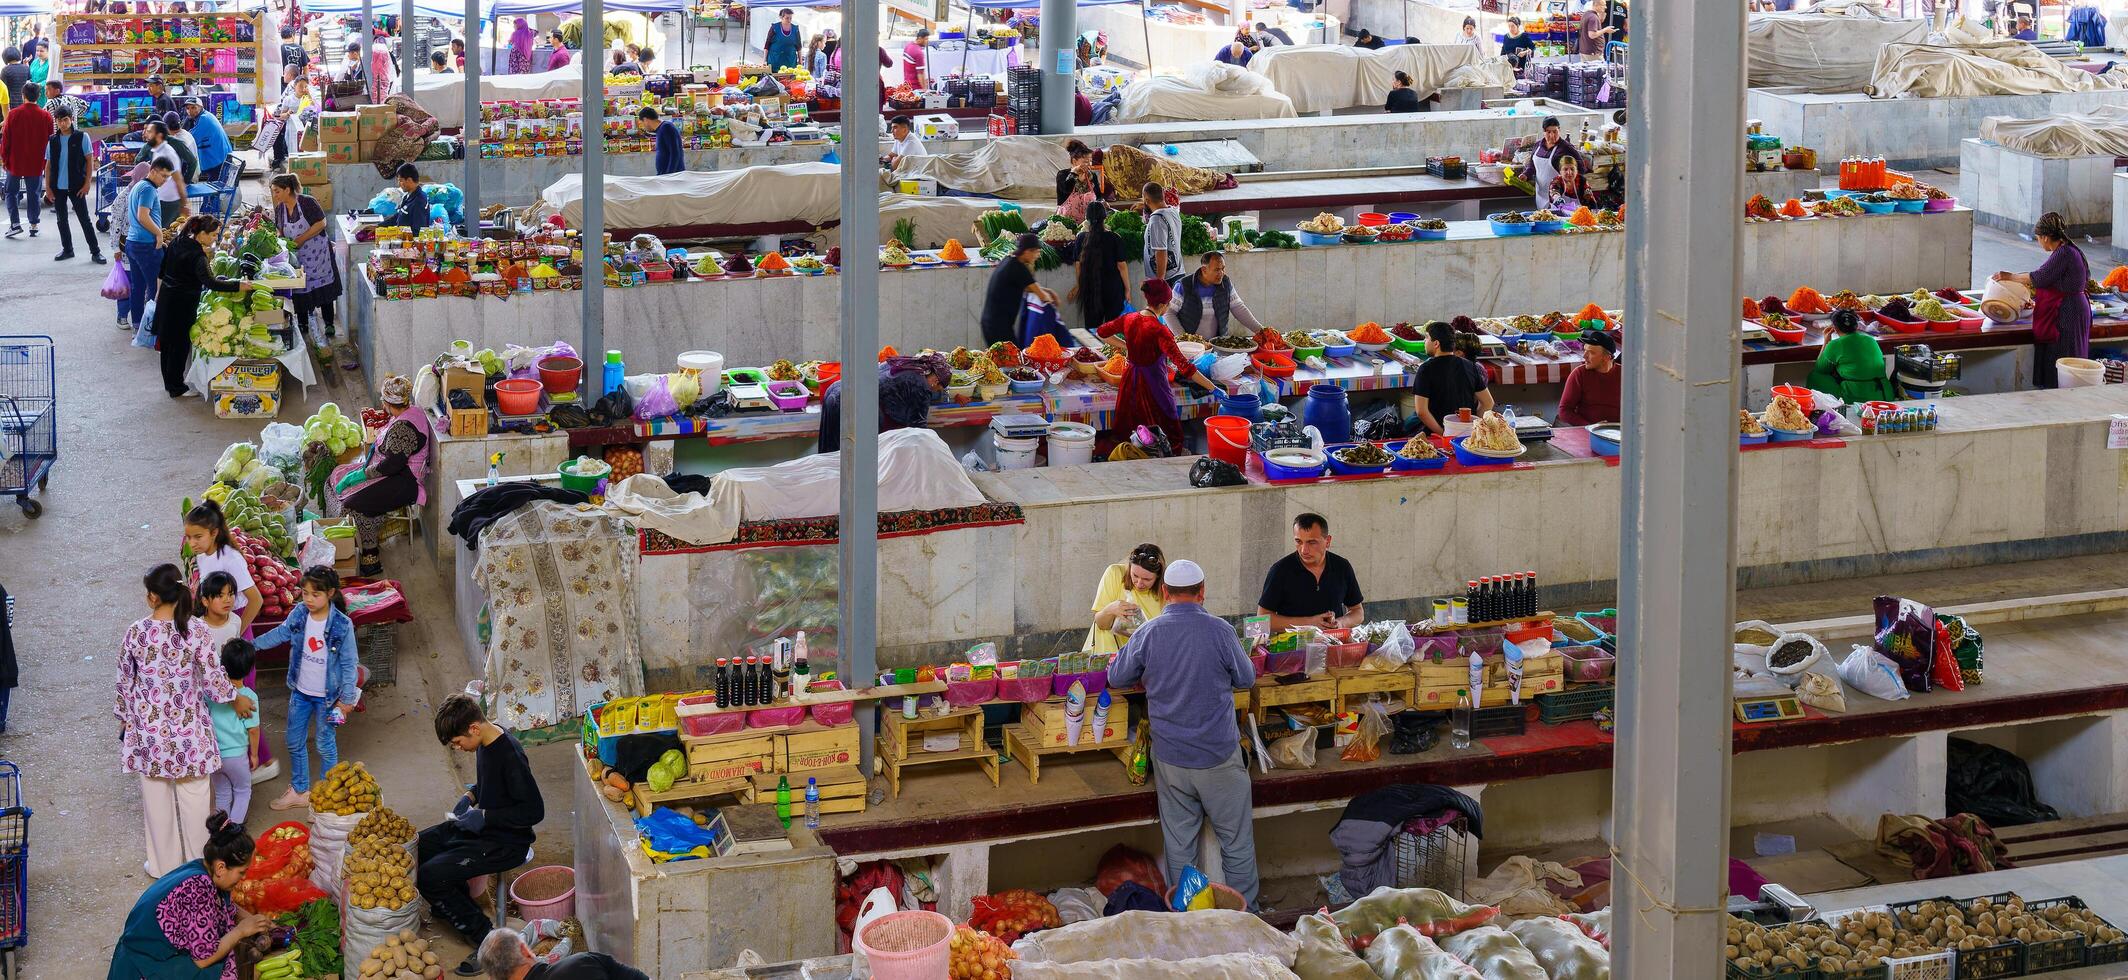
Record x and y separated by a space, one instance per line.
1191 664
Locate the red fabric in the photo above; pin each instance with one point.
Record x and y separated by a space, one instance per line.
1144 396
23 139
2046 314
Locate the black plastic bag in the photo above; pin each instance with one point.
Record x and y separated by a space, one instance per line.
1412 732
1383 421
1209 472
1992 784
569 416
614 408
714 406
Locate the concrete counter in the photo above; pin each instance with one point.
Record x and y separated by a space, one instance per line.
2009 189
757 321
1907 133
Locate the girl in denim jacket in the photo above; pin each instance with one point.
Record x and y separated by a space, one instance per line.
321 677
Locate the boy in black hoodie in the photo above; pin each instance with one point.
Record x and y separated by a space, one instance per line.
490 831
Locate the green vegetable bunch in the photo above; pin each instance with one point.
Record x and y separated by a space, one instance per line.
1129 227
317 926
263 243
1196 236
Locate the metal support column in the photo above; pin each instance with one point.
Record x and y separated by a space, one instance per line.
858 551
1677 567
469 132
408 49
366 31
1058 63
594 230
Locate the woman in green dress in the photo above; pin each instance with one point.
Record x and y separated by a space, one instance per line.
1851 365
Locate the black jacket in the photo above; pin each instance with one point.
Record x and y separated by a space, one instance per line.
185 269
76 146
7 645
1402 100
487 505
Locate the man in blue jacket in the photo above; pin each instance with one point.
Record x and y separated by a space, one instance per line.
212 139
1191 664
670 160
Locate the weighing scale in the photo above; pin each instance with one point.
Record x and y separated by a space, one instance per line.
1776 906
750 396
1758 699
1020 425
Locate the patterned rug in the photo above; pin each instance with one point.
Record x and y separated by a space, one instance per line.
826 530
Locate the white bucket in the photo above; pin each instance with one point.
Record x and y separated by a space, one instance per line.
707 365
2003 301
2079 372
1070 444
1015 454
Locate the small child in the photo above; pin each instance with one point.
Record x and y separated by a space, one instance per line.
321 677
217 603
207 534
236 738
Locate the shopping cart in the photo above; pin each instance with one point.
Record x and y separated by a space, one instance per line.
29 427
14 868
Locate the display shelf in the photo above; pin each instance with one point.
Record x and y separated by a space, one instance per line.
1532 621
255 75
164 45
811 698
1024 744
897 735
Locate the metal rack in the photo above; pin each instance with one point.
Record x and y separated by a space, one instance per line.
1436 859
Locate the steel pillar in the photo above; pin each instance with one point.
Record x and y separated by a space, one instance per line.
594 230
408 49
1057 62
469 134
1677 569
858 551
367 37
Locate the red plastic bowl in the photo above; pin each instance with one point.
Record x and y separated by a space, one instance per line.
1799 393
1792 335
1901 326
1273 364
517 396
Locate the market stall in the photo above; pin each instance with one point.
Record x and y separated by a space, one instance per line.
2008 188
1168 36
1326 77
215 55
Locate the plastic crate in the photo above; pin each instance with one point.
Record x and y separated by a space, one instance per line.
2092 953
1933 966
2004 959
1871 972
1438 167
1736 972
377 648
1575 704
1494 722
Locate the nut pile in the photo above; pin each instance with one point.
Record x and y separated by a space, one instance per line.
347 789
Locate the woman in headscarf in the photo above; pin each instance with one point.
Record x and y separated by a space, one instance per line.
1851 364
1145 396
521 41
2061 313
392 474
907 387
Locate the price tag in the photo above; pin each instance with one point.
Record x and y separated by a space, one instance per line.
1066 61
2117 432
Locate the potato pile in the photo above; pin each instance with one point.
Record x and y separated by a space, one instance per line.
1980 923
402 957
1754 949
2082 921
1857 941
347 788
379 866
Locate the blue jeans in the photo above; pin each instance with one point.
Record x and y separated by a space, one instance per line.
144 267
31 187
302 711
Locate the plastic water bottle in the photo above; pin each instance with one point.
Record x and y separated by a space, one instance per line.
812 803
783 800
615 370
1459 725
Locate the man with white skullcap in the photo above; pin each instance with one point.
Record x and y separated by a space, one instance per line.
1191 665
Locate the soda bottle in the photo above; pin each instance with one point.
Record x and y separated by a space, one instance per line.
801 673
812 803
723 682
1470 601
783 800
1459 726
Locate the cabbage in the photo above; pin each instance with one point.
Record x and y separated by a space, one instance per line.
230 467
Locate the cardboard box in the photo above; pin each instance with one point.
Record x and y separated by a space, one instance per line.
807 751
247 404
344 153
339 127
323 193
366 150
269 318
248 376
373 125
309 167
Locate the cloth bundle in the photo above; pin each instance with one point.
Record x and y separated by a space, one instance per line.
2101 132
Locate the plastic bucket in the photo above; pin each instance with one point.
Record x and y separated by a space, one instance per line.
517 396
560 373
585 483
1244 406
2079 372
541 881
1227 439
1015 454
1070 444
926 961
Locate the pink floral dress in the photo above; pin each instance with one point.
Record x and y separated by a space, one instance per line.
165 681
195 916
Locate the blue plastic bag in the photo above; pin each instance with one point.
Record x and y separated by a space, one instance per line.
1192 884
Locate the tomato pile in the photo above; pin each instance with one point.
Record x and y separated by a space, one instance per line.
1011 914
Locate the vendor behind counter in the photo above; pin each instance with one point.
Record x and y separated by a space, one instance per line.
1313 586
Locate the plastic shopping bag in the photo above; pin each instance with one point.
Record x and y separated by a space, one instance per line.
1873 674
118 284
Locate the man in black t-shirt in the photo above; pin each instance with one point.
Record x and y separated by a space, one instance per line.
489 831
1312 586
1006 295
1447 382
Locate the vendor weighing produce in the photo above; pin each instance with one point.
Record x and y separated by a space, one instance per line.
1851 364
1313 586
1209 300
1448 382
1128 597
1191 664
1593 389
1144 396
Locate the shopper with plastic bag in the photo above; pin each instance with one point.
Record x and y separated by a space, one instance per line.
1191 663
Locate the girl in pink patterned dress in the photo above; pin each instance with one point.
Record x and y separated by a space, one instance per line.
167 671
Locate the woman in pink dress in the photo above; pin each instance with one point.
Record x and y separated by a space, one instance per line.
168 670
521 41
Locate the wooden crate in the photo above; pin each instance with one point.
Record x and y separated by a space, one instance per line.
1443 697
901 744
734 745
716 772
1452 674
842 789
1047 725
1026 744
690 789
1322 691
804 752
1359 684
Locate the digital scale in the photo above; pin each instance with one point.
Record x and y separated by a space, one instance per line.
1758 699
1776 906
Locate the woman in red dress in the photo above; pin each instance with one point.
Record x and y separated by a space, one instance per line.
1145 396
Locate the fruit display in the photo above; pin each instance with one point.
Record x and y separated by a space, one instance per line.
333 428
976 955
405 956
1012 913
626 461
284 965
347 789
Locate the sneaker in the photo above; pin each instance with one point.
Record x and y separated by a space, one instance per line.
33 231
123 323
265 772
14 231
290 800
63 256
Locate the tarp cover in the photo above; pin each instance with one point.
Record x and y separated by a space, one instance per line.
444 95
809 192
1009 166
1822 52
1205 91
2100 132
916 472
1928 71
1321 77
936 218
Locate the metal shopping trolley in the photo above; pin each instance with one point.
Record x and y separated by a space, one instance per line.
14 868
29 428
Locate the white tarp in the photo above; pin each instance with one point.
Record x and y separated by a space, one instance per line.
1927 71
444 95
1322 77
809 192
936 218
2100 132
1822 52
916 472
1205 91
1009 166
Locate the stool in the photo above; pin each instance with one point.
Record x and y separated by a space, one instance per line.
498 884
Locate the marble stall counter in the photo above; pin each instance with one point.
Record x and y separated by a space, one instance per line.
756 321
2009 189
1907 133
518 180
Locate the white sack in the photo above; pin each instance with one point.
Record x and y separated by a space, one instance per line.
916 472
